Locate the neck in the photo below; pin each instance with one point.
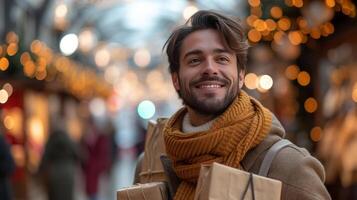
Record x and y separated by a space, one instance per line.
197 119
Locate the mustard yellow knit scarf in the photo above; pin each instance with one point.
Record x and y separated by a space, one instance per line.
241 127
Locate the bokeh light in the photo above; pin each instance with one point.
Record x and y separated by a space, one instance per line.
4 96
146 109
292 72
251 81
189 11
69 44
142 57
8 87
4 64
102 57
316 134
303 78
276 12
310 105
265 82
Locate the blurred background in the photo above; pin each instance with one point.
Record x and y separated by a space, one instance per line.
80 79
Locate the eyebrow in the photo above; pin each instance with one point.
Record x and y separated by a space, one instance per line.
197 51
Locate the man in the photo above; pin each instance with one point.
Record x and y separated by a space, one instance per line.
220 122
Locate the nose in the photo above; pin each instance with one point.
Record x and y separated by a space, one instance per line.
210 67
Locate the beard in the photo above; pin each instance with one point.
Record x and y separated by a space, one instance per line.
211 105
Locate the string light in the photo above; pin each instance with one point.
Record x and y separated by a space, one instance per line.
276 12
254 3
295 37
251 81
254 35
316 134
4 64
292 71
310 105
4 96
12 49
284 24
330 3
303 78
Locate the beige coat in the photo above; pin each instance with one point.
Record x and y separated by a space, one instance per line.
301 174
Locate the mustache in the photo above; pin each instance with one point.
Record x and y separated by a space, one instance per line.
210 78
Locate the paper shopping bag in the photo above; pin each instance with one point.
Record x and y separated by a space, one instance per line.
220 182
147 191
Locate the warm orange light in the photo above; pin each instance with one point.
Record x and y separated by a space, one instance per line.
295 37
251 19
316 134
302 23
41 75
298 3
24 58
271 25
11 37
310 105
251 81
284 24
276 12
254 3
329 28
12 49
254 35
4 63
292 72
18 153
278 36
41 64
303 78
288 3
260 25
330 3
36 47
29 68
257 11
9 122
315 33
304 38
348 8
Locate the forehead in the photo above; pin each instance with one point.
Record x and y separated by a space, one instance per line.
204 41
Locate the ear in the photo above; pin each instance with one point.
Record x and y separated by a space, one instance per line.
175 81
241 78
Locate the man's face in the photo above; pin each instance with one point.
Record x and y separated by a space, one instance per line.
208 79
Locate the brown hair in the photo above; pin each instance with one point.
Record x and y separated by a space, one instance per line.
231 31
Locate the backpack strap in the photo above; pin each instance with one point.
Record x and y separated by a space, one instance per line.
270 155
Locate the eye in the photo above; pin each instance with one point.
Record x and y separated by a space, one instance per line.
223 59
193 61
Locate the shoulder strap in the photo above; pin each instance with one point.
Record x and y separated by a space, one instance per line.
270 155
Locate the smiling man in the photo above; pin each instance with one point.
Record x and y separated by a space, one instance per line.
219 122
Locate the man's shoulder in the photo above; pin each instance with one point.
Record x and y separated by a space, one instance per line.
302 174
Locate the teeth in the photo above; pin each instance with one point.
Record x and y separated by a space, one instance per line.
210 86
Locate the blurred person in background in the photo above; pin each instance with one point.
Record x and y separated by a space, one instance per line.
7 166
96 149
59 163
219 121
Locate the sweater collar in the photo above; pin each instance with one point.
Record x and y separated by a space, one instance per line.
187 127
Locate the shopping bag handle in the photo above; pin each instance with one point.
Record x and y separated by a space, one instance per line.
251 185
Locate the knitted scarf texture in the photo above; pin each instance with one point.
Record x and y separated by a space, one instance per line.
241 127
